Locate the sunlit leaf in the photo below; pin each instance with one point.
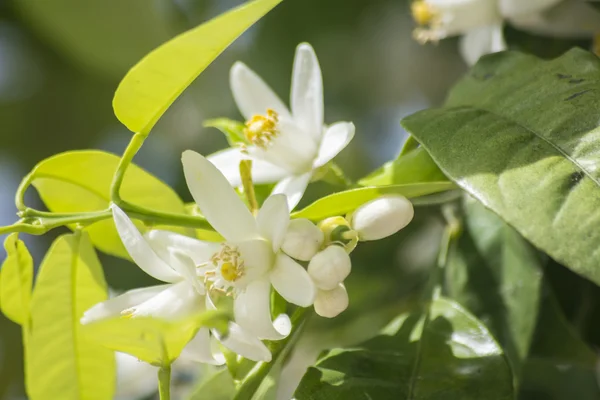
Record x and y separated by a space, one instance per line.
61 362
522 136
16 280
78 181
442 353
154 341
154 83
413 167
346 201
219 386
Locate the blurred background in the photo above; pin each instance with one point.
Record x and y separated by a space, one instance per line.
61 60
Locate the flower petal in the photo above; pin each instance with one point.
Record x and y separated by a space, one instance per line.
198 250
176 301
217 200
252 95
273 219
481 41
243 343
292 282
228 162
252 310
335 139
572 19
199 349
293 187
135 379
258 259
516 8
307 92
140 251
113 307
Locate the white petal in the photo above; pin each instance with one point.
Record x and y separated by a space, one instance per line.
330 303
228 162
330 267
293 187
382 217
217 200
335 139
575 19
258 258
113 307
198 250
199 349
252 95
252 310
245 344
292 282
186 268
459 16
273 219
302 240
516 8
140 251
481 41
135 379
307 92
177 301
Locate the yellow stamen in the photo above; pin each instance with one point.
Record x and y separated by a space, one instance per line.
229 263
229 272
260 129
422 12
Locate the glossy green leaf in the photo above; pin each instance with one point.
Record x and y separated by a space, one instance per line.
444 353
16 280
154 341
233 130
219 386
61 362
343 202
497 275
413 167
78 181
154 83
82 32
522 136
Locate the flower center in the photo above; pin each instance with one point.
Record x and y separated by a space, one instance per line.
262 129
228 264
422 12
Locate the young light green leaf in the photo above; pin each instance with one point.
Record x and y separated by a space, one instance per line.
61 362
219 386
497 275
343 202
154 83
521 135
424 354
16 280
413 167
233 130
79 181
154 341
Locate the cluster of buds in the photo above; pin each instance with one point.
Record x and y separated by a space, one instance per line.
326 246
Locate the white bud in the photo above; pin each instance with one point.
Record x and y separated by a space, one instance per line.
329 267
330 303
302 240
382 217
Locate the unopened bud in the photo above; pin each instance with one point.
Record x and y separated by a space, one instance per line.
330 267
330 303
382 217
302 240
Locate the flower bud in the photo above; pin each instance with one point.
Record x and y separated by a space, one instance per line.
382 217
330 267
302 240
330 303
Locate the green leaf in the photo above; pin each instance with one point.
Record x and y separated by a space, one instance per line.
497 275
16 280
61 362
233 130
343 202
219 386
79 181
154 341
154 83
443 354
413 167
521 135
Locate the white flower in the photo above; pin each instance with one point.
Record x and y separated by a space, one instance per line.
330 267
286 147
302 240
135 379
330 303
250 260
172 258
381 217
479 21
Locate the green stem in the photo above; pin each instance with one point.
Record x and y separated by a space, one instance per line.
164 383
246 176
410 144
279 349
132 148
20 195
